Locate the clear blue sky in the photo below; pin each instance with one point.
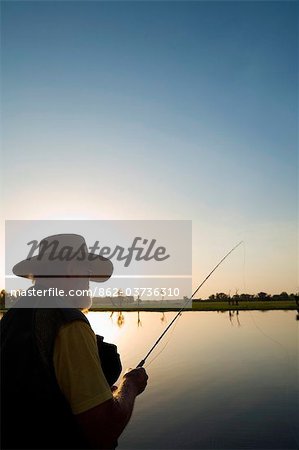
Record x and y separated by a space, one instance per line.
159 110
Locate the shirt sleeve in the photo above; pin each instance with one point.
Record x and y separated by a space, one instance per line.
78 368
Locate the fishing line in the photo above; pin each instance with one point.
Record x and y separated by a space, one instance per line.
155 357
244 268
250 312
268 336
141 364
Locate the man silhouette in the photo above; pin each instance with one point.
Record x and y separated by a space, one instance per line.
54 390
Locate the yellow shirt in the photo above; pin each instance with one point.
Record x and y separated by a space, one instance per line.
78 368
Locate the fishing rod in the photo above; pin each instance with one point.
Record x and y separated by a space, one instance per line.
142 362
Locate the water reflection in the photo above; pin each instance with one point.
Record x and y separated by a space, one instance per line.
222 381
163 318
139 323
120 318
234 315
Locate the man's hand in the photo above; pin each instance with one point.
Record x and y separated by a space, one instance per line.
137 377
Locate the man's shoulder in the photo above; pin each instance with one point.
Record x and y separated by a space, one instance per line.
48 323
56 317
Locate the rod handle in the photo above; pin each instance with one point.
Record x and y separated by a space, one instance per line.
141 364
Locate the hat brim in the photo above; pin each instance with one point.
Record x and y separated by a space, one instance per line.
94 267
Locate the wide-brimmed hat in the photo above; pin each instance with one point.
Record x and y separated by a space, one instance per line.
55 255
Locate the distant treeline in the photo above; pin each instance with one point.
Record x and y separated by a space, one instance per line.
261 296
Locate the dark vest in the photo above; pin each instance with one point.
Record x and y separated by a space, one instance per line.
34 412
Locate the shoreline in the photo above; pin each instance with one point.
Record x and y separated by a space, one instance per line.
287 305
210 306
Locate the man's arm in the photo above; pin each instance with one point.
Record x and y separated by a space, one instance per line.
103 424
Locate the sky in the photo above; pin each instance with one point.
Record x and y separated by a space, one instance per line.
159 110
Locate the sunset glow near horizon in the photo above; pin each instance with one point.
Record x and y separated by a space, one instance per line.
159 110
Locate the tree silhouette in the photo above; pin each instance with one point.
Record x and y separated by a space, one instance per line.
262 296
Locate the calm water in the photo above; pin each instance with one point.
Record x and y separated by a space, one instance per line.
220 383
